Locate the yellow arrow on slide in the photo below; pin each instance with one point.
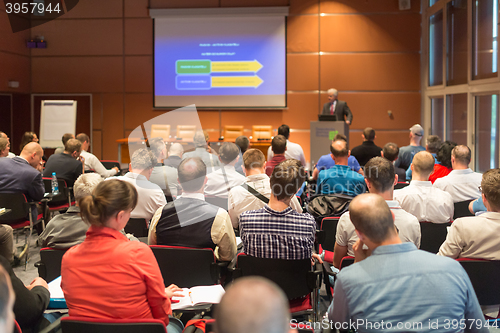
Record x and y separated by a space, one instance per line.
236 66
236 81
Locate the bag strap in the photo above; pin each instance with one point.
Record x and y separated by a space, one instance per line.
255 193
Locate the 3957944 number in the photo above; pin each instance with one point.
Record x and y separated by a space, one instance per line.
31 8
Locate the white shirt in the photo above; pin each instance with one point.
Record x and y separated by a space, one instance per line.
10 155
407 224
425 202
92 162
461 184
293 150
220 180
150 197
240 200
473 237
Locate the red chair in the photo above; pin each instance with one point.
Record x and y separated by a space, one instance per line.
17 328
62 200
85 325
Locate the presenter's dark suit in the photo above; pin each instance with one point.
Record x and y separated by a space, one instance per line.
341 110
16 175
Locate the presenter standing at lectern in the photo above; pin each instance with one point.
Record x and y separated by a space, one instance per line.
337 108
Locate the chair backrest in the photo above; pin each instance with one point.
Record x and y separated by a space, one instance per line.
484 275
18 205
50 263
432 236
137 227
63 195
346 261
329 229
109 164
462 209
293 276
216 201
160 130
186 267
185 131
262 132
232 132
85 325
400 185
17 328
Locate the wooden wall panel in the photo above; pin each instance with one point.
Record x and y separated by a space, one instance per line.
253 3
78 37
401 138
303 107
139 109
298 7
139 36
136 8
375 33
113 125
77 74
209 119
97 111
10 42
139 74
297 65
302 34
95 9
304 139
398 71
97 144
14 68
22 121
364 6
184 3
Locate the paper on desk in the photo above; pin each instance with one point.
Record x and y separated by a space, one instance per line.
198 295
55 288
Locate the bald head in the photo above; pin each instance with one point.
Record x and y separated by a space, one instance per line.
176 150
3 135
253 304
460 157
32 153
423 164
192 173
370 215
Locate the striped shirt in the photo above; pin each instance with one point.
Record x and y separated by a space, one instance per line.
266 233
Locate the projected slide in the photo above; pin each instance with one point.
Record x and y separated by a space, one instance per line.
220 62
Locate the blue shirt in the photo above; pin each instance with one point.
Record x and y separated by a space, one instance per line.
340 179
406 154
478 206
326 162
400 284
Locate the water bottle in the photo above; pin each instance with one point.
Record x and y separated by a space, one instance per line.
55 187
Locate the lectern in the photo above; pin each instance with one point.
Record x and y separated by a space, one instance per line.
322 134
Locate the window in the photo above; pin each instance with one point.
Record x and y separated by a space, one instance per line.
486 138
456 118
437 114
456 42
484 39
436 49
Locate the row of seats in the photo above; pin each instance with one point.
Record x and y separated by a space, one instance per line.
230 132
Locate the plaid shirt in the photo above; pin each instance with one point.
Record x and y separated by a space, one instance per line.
266 233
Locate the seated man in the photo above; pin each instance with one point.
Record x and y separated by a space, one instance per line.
150 197
432 145
163 175
340 179
278 145
420 198
68 229
200 143
398 286
327 161
253 304
391 152
6 302
66 165
91 161
4 136
368 148
462 183
277 231
220 181
293 150
476 236
65 138
4 147
256 191
191 221
174 155
406 153
380 179
243 143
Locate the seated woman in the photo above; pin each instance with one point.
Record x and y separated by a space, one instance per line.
108 276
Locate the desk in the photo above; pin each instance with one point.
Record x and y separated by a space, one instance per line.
6 211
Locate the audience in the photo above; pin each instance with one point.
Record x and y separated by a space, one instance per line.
433 143
420 198
150 196
91 161
163 175
174 155
406 153
64 139
253 304
4 147
21 174
443 157
327 161
221 181
107 276
367 149
340 179
190 220
380 179
27 138
398 286
66 165
4 136
293 150
200 143
277 231
30 301
462 183
243 143
256 191
7 297
68 229
391 153
278 146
